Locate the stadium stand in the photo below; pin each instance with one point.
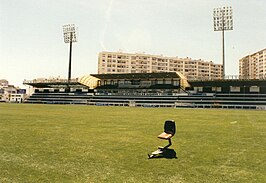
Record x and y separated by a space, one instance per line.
236 101
152 90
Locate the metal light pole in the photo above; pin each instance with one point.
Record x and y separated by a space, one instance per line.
223 21
69 37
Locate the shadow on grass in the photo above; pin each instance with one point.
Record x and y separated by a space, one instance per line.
166 153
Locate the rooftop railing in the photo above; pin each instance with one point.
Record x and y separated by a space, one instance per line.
49 81
228 77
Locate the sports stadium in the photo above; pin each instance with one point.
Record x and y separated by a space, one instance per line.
142 117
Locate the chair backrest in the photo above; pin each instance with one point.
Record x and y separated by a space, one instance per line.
169 127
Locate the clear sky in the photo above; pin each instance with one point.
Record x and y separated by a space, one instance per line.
32 46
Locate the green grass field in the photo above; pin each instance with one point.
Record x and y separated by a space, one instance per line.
71 143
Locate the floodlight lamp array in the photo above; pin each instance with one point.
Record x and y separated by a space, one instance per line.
223 18
69 33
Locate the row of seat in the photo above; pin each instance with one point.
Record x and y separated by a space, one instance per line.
198 100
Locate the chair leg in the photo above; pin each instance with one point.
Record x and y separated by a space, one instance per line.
170 143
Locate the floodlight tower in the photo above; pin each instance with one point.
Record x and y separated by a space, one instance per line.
223 21
69 37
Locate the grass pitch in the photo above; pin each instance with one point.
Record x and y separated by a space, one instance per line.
70 143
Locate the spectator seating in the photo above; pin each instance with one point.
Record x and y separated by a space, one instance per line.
204 100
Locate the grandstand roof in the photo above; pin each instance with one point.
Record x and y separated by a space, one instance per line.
155 75
138 75
54 83
225 82
91 80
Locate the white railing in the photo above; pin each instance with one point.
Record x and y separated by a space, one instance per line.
227 77
49 81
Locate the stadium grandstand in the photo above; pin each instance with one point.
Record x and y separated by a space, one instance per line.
168 89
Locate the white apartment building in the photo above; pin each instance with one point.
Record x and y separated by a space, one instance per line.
253 66
118 62
10 93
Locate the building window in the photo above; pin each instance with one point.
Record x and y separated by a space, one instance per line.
234 89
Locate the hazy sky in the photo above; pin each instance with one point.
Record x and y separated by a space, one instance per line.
32 46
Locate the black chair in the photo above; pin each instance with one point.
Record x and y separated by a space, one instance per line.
167 134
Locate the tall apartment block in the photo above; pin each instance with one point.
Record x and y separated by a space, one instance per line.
253 66
118 62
